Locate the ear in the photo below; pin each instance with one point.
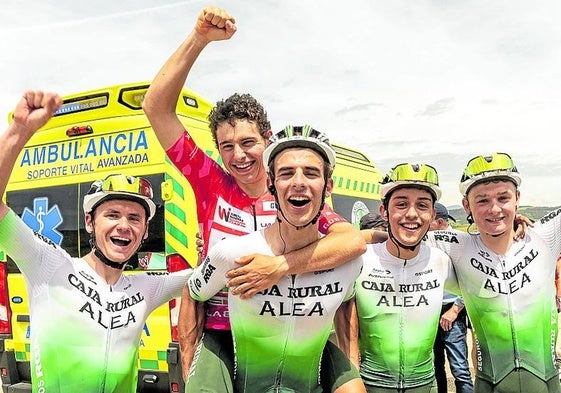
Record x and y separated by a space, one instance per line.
383 211
271 186
88 219
328 187
146 230
465 204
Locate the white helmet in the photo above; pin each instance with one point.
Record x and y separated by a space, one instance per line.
299 136
118 186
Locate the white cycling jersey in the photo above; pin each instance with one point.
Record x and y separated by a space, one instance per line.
85 333
398 305
510 298
279 334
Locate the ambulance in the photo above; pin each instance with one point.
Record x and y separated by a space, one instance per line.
105 131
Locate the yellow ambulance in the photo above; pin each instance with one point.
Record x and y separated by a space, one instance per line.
104 131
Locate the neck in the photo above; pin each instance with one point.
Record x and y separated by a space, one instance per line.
400 252
108 274
499 244
284 238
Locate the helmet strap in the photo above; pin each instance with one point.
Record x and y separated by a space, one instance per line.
103 258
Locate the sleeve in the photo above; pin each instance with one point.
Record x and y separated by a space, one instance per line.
210 276
327 218
162 287
201 171
451 284
549 228
36 256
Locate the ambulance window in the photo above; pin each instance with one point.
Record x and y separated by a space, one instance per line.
56 212
51 211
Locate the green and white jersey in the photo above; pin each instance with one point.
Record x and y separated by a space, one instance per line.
84 333
279 334
510 298
398 305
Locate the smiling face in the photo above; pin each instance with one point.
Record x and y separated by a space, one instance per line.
493 207
119 227
410 212
241 149
299 183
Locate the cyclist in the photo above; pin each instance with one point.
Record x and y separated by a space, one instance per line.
394 316
86 315
506 283
280 333
240 129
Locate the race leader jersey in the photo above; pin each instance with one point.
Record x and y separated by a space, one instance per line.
510 298
279 334
225 210
85 333
398 306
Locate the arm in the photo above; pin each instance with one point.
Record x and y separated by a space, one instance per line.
450 316
346 327
190 328
372 236
34 109
213 24
341 244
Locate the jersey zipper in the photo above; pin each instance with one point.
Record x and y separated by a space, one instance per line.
401 332
289 327
516 352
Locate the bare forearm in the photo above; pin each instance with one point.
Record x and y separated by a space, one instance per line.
161 98
336 248
190 328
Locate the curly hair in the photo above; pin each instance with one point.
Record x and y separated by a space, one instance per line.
239 107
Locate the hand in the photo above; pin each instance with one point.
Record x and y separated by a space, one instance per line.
521 224
258 273
34 110
200 244
448 318
215 24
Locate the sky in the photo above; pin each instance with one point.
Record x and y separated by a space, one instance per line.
416 81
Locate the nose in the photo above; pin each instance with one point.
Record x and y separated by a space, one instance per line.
495 208
239 152
123 223
411 212
298 179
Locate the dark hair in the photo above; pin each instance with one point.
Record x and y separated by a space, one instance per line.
239 107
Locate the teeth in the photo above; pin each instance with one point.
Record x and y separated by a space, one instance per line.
243 166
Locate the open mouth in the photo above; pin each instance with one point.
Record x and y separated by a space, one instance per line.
120 241
243 167
299 201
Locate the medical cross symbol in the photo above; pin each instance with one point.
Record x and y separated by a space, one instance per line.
44 220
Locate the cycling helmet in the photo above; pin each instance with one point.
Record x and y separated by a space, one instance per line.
299 136
131 188
405 175
484 168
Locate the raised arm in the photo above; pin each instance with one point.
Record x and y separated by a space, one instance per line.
213 24
33 110
341 244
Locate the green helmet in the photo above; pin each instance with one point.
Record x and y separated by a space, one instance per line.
496 166
406 175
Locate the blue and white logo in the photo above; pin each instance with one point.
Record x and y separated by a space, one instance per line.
44 220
